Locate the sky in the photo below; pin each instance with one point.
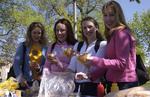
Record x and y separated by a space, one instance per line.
129 8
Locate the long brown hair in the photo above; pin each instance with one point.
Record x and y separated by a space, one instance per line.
98 34
70 35
43 41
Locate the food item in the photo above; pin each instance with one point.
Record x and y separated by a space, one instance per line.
140 91
82 58
35 60
68 52
50 55
10 84
35 54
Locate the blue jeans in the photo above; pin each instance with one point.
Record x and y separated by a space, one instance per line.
121 85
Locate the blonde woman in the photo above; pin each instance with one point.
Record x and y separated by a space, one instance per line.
30 55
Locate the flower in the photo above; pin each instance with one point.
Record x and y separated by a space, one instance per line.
35 54
10 84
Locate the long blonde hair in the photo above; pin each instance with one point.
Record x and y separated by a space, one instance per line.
43 41
115 6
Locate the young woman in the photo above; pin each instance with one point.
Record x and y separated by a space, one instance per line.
91 37
56 61
120 60
30 55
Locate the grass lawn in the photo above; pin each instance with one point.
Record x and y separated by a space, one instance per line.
147 84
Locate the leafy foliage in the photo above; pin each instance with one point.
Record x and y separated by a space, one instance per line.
141 27
16 15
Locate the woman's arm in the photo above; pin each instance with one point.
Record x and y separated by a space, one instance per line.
47 62
18 60
122 50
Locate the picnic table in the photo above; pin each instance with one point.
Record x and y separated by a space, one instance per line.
140 91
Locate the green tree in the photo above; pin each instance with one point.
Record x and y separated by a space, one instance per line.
51 11
140 25
8 24
16 15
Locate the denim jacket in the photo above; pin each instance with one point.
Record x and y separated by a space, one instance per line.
18 62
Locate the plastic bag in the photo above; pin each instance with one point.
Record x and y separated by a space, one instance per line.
57 84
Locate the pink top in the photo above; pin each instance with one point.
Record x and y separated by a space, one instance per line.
120 61
61 58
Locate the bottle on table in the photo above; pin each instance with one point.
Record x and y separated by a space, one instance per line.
100 90
114 87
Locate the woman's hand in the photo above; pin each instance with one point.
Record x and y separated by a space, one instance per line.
117 28
85 59
82 58
34 66
69 52
81 76
22 82
52 58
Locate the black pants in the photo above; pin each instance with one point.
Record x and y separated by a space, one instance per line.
87 88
